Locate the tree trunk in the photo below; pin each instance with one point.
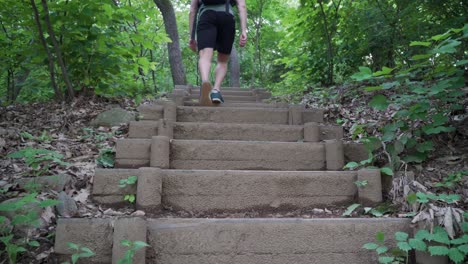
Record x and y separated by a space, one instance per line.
58 52
234 75
175 55
57 91
329 45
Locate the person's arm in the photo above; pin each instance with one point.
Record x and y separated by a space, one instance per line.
243 22
192 14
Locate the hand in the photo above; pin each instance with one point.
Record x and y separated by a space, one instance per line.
193 45
243 39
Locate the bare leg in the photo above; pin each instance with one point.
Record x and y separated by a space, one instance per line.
206 55
221 70
204 64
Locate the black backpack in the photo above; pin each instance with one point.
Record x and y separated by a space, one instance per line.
218 2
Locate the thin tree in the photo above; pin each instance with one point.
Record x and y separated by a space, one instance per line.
57 91
175 55
234 73
58 52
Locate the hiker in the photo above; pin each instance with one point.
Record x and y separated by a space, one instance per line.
215 30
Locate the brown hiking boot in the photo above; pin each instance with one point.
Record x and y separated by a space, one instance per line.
205 94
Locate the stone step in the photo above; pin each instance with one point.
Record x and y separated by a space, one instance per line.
249 115
241 104
226 131
239 89
234 240
164 153
292 115
227 98
204 191
226 92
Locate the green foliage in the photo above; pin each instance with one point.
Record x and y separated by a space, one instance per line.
361 183
40 160
79 252
44 137
131 180
351 209
23 217
452 179
133 246
426 90
111 48
456 249
106 158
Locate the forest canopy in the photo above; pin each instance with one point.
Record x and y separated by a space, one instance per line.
63 48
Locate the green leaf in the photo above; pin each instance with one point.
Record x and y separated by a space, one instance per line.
380 237
33 243
384 71
438 251
455 255
440 36
370 246
425 146
350 209
448 48
401 236
351 165
411 198
139 244
423 234
389 85
461 63
459 241
364 73
465 227
126 243
420 43
421 56
430 130
381 250
379 102
463 248
86 252
417 244
387 171
47 203
73 246
385 260
361 183
404 246
373 88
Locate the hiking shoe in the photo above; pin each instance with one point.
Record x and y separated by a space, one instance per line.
216 97
205 90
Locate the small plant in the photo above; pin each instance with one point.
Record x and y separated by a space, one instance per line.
133 246
452 179
361 183
455 249
131 180
23 217
44 137
391 255
80 252
34 158
106 158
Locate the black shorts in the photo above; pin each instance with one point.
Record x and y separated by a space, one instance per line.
216 29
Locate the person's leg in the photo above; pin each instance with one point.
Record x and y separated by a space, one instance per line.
204 63
221 70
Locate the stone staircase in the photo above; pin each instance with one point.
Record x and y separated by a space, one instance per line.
244 156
